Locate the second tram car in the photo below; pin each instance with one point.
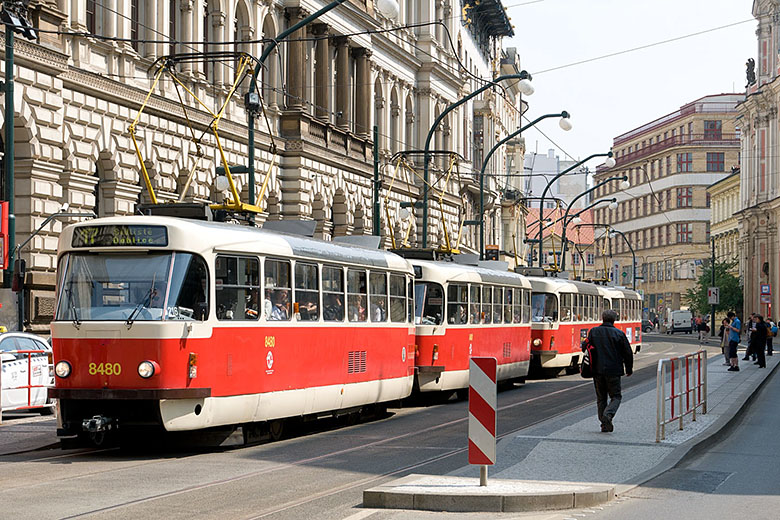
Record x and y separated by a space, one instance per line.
182 324
464 311
563 312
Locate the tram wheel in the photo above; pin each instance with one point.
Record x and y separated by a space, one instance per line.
276 429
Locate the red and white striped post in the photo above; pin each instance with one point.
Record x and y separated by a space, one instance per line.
482 414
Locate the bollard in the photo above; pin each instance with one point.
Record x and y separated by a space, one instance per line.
482 414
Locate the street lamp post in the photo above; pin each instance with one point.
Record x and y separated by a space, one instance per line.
609 162
19 272
624 185
564 123
525 87
388 8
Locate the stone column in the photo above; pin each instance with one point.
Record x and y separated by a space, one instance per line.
218 33
149 32
109 18
342 83
186 29
362 91
322 76
295 62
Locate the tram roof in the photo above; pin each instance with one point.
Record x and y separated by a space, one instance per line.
620 292
562 285
452 272
205 237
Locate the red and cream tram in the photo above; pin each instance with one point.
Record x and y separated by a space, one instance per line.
562 313
183 325
463 311
628 305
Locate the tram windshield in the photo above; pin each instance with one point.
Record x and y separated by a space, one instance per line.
428 303
544 307
142 287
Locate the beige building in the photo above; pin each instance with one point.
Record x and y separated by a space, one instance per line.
79 87
724 229
665 213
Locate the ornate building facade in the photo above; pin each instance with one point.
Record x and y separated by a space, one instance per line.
82 83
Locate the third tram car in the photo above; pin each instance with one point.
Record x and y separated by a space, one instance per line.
464 311
182 324
628 305
562 313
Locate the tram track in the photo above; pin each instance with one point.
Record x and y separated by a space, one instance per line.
367 481
548 404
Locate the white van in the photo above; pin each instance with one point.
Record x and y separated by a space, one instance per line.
679 321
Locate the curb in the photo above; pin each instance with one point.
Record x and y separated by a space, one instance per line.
689 447
389 496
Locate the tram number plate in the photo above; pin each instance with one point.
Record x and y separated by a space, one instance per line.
270 341
105 369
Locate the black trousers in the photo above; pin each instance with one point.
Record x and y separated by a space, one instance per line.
607 386
759 352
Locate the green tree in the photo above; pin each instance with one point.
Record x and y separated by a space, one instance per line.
730 290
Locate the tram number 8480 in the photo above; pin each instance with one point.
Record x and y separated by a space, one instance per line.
105 369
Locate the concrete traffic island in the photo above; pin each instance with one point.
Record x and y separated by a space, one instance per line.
462 494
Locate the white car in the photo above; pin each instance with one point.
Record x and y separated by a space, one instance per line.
25 377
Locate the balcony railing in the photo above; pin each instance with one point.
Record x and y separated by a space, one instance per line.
708 140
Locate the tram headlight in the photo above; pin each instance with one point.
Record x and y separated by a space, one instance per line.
537 342
147 369
62 369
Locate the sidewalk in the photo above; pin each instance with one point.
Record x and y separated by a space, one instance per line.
567 462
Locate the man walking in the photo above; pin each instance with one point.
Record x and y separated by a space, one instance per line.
735 328
612 352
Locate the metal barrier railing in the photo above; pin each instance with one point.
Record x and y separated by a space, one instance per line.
49 367
687 387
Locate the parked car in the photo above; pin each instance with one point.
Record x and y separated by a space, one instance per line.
26 377
647 326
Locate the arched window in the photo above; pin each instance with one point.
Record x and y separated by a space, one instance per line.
173 16
409 123
379 111
395 117
270 75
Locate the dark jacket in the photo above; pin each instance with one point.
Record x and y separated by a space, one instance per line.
758 336
613 350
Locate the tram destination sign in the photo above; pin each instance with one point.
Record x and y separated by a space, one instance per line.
120 236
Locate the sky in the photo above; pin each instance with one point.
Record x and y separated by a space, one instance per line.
611 96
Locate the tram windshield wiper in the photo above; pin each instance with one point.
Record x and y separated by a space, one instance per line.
73 310
142 304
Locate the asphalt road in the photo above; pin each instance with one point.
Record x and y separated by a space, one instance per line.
319 474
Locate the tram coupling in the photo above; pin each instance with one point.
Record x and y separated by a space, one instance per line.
97 423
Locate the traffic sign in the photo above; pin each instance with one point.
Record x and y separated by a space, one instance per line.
713 295
766 288
766 298
482 410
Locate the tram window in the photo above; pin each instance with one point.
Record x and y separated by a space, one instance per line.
590 306
307 294
410 301
517 308
607 303
508 305
277 290
188 293
333 293
457 304
238 287
498 300
475 299
378 288
566 307
487 298
526 306
397 298
544 307
356 295
429 303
